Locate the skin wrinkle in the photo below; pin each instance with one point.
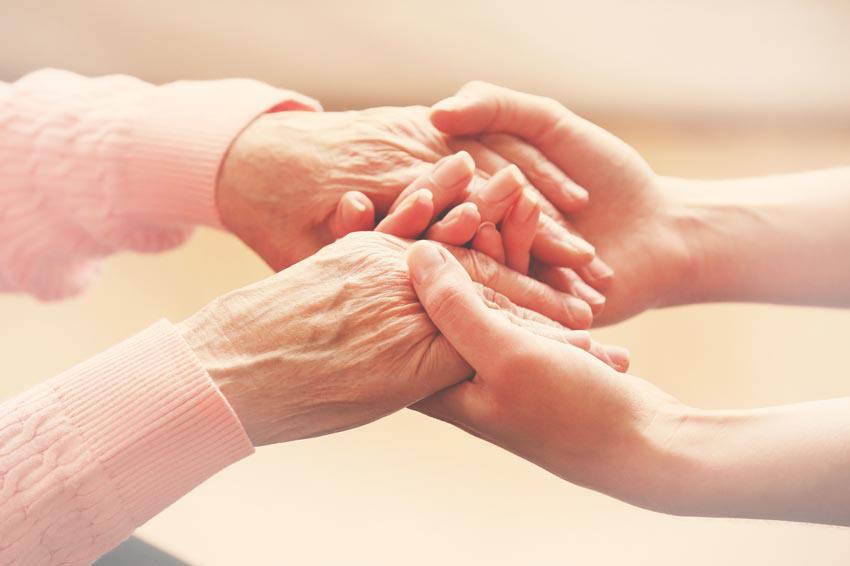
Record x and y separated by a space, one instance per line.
349 344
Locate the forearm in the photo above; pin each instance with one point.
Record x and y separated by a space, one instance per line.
91 166
781 239
785 463
90 455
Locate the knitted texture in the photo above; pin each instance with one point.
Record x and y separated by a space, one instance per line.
90 455
89 167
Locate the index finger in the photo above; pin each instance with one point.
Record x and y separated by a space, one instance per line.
523 290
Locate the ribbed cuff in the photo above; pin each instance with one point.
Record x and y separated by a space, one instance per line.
154 419
179 136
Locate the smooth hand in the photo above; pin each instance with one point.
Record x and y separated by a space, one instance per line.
631 218
541 399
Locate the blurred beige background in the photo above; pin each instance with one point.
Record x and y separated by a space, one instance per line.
705 89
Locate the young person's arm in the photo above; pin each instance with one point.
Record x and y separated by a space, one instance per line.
779 239
559 407
671 241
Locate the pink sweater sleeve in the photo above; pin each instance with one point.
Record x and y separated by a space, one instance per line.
90 455
89 167
92 166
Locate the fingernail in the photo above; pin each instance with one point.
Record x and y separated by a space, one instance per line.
356 202
420 196
486 226
352 213
619 356
497 190
584 246
423 259
358 206
580 313
424 196
453 169
598 269
575 192
451 104
526 206
591 296
460 210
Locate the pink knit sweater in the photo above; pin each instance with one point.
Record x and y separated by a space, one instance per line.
89 167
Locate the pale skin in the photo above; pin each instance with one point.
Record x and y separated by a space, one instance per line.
281 184
339 339
670 242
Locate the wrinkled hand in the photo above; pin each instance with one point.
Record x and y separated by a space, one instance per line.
282 183
543 400
340 339
631 216
500 218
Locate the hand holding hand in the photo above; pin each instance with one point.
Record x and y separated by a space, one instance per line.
544 400
295 181
340 339
632 216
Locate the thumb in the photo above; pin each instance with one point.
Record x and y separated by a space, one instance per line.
481 107
452 302
354 213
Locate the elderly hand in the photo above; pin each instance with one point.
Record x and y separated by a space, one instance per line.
504 227
283 178
340 339
632 216
543 400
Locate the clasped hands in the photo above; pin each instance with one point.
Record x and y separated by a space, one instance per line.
485 329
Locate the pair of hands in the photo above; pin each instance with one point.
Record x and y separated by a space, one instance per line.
281 185
340 338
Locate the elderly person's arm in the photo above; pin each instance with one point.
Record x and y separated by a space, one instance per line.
90 166
672 241
562 409
331 343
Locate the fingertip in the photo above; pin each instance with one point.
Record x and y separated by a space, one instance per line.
467 160
597 273
443 111
470 210
579 196
424 259
619 356
578 313
355 212
488 241
591 296
580 339
456 115
411 217
526 209
458 227
424 197
453 172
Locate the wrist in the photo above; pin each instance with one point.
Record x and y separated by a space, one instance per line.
206 335
708 225
275 170
179 138
684 476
